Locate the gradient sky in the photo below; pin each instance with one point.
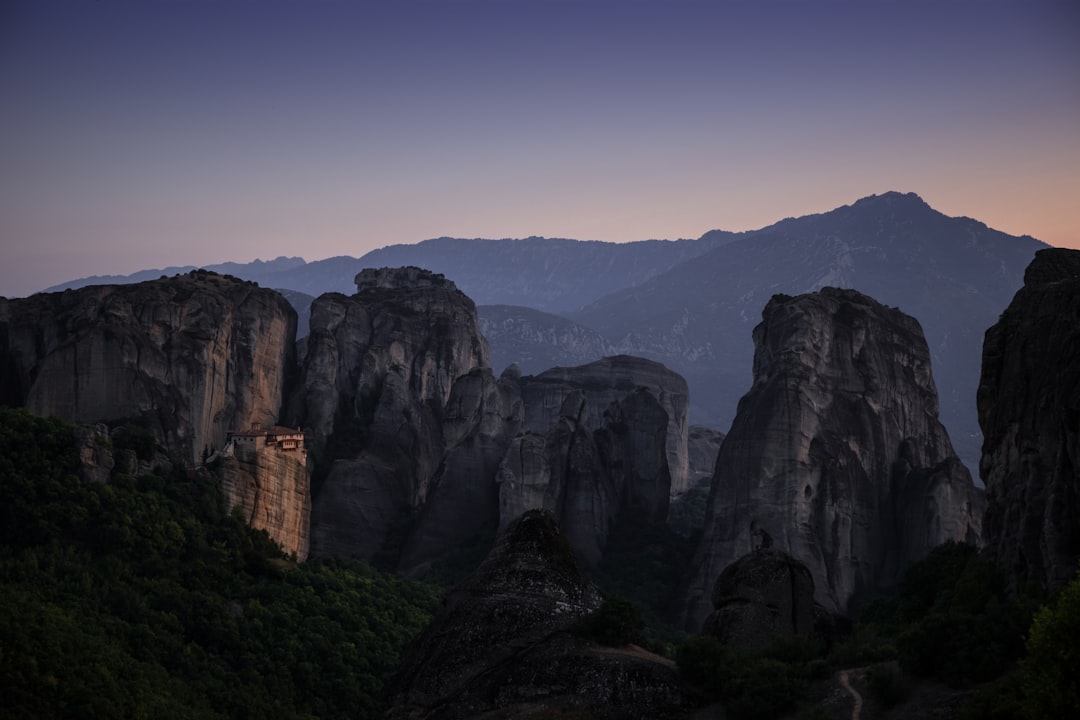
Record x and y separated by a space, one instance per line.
145 133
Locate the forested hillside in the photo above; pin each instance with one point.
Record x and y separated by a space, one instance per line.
144 598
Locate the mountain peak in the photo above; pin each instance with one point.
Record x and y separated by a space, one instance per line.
893 198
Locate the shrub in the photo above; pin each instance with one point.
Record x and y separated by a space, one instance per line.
752 685
702 660
616 622
952 619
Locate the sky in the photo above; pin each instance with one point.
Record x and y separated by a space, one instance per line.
140 134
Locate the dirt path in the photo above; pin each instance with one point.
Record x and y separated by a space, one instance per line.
857 710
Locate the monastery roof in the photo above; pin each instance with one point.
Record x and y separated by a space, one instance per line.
282 430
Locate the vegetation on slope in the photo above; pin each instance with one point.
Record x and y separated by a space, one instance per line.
952 620
142 597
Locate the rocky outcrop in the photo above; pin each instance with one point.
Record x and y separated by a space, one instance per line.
480 421
591 471
189 357
836 455
272 486
762 596
601 383
499 643
96 461
1029 405
378 373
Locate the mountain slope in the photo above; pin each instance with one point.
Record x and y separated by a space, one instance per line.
537 340
549 274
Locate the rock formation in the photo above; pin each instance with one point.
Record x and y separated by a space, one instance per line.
189 357
686 515
763 595
1029 405
602 460
96 461
429 451
605 381
480 421
500 643
272 486
836 455
378 373
702 447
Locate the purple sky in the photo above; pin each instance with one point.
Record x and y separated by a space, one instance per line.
148 133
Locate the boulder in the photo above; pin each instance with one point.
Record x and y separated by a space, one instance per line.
762 596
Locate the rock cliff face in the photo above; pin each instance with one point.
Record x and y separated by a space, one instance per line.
702 447
429 447
480 421
96 460
378 373
601 383
1029 405
499 643
592 470
189 357
836 455
273 487
601 458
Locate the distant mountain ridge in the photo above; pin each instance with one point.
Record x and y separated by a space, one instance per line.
256 270
548 274
536 341
555 275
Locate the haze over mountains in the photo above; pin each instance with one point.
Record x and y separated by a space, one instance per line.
691 304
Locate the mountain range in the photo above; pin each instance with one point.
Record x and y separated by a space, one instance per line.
691 304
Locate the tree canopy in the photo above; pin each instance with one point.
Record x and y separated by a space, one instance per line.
143 597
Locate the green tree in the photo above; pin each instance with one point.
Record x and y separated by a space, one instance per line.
1051 670
616 622
144 597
